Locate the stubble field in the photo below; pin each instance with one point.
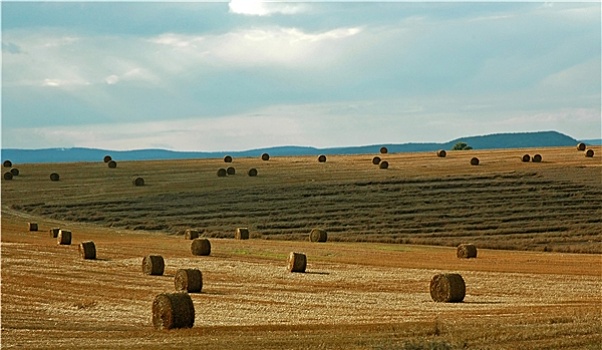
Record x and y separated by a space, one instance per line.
366 288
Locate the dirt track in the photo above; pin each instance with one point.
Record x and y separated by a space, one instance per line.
353 295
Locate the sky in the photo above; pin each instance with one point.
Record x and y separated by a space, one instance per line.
239 75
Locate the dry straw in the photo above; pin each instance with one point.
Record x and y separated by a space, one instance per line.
32 226
581 146
384 150
265 157
188 280
322 158
8 175
221 172
241 233
448 288
384 165
228 159
526 158
441 153
64 237
200 246
54 232
107 159
466 251
7 163
474 161
252 172
112 164
173 310
318 235
54 177
191 234
231 170
589 153
87 250
138 181
297 262
153 265
376 160
537 158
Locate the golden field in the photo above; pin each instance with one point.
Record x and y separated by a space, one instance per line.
389 232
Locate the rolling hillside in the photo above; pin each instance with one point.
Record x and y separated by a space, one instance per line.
502 203
494 141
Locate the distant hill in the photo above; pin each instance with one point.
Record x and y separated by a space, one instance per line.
493 141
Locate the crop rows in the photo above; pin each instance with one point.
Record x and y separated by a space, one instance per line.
509 211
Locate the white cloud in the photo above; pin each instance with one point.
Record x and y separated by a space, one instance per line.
254 46
262 8
112 79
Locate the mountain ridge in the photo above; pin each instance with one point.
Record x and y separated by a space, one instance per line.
480 142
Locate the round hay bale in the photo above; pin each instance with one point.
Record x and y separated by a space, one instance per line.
173 310
252 172
189 280
107 159
376 160
153 265
448 288
241 233
112 164
231 170
537 158
14 171
54 232
441 153
322 158
384 150
526 158
221 172
265 157
297 262
138 181
318 235
8 175
64 237
54 177
589 153
227 159
87 250
384 165
200 246
466 251
32 226
7 163
474 161
192 234
581 146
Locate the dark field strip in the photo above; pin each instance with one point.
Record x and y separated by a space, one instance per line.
511 211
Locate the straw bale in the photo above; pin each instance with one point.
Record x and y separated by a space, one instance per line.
188 280
297 262
448 288
153 265
173 310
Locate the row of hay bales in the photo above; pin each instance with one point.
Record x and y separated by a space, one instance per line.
87 249
583 148
230 171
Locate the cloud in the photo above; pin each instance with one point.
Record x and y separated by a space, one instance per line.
253 46
262 8
10 48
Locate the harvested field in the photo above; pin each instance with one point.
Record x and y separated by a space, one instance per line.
347 298
554 205
366 288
